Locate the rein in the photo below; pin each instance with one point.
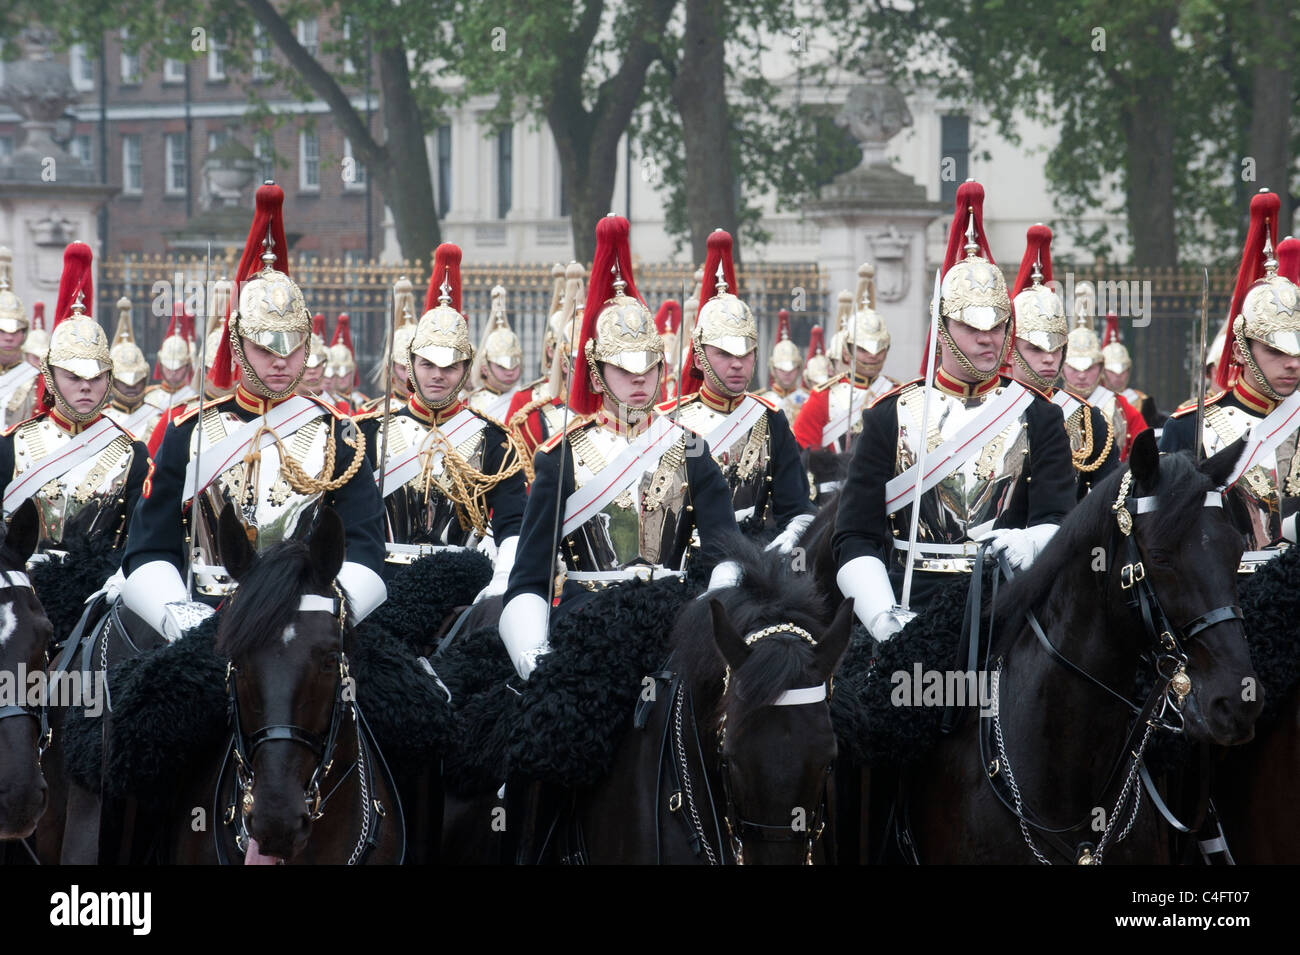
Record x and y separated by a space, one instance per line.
1172 686
18 580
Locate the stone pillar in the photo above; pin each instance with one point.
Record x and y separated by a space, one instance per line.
48 197
875 213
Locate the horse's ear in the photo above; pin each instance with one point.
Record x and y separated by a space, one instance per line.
24 530
831 647
236 550
1219 467
729 642
1144 459
328 545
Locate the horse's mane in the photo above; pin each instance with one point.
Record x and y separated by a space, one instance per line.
1180 495
267 599
770 591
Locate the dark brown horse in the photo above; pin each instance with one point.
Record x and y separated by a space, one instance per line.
1057 754
24 640
731 760
300 780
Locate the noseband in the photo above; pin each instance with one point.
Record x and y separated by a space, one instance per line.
738 827
18 580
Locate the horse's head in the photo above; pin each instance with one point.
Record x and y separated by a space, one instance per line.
284 636
1189 552
777 740
24 638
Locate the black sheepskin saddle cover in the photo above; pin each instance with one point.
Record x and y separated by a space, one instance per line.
1270 603
169 705
63 584
564 724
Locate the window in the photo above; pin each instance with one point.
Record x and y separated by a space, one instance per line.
6 147
173 71
217 139
307 35
505 147
176 155
216 60
954 155
264 150
130 62
81 67
354 170
348 66
444 171
261 54
132 165
79 146
308 162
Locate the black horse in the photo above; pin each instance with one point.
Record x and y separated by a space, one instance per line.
730 756
24 640
1051 776
300 779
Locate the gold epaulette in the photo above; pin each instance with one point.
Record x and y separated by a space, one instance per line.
554 440
185 416
667 407
16 425
1189 406
767 403
826 385
919 382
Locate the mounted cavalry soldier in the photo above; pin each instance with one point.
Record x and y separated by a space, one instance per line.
1117 368
537 412
174 369
17 375
833 411
748 435
785 370
81 468
1039 337
627 493
274 456
448 471
341 373
816 368
37 342
392 366
312 384
1083 366
494 376
1259 370
130 382
997 461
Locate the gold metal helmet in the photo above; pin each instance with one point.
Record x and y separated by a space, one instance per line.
318 353
36 343
442 335
176 352
785 353
129 364
1270 312
1040 315
78 345
402 343
725 322
625 333
974 290
500 343
341 363
272 312
13 317
843 317
866 327
553 319
1083 347
1114 356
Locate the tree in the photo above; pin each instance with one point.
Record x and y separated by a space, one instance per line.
581 66
382 33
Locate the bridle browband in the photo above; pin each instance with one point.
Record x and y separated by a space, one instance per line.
740 828
18 580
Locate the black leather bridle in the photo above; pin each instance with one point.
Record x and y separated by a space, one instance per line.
18 580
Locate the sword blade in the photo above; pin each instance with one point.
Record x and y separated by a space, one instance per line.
198 449
1200 377
390 337
932 360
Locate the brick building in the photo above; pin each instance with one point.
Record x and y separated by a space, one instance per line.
149 132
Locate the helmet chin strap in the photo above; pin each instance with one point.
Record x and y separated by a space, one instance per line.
61 403
1037 380
451 396
632 414
967 365
723 391
1261 381
246 368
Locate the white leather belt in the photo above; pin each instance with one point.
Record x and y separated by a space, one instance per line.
941 558
643 572
1253 560
410 553
925 548
826 487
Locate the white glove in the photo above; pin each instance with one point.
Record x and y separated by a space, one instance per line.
365 589
501 574
1020 545
183 615
865 580
149 589
725 574
785 541
112 588
523 631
